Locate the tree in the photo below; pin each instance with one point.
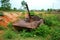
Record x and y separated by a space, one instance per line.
5 5
15 9
26 6
42 9
49 10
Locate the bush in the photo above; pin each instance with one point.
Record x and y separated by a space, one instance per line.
51 21
25 33
48 22
9 34
42 30
55 35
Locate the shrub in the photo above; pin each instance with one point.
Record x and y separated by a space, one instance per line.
55 35
42 30
48 22
25 33
9 34
51 21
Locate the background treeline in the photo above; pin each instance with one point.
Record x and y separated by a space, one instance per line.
6 6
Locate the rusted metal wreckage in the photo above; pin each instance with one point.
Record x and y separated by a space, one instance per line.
30 22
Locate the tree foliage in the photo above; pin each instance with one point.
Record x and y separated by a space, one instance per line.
5 5
15 9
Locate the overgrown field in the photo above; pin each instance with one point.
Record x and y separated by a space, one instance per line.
50 30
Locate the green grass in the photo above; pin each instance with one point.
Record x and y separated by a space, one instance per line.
50 30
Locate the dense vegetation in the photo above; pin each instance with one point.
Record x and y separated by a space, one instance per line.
50 30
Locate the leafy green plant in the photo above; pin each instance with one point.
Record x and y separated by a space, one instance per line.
9 34
52 20
55 35
42 30
24 33
48 22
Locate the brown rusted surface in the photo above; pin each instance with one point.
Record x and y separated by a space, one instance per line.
8 17
25 24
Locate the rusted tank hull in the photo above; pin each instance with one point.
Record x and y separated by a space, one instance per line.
30 25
